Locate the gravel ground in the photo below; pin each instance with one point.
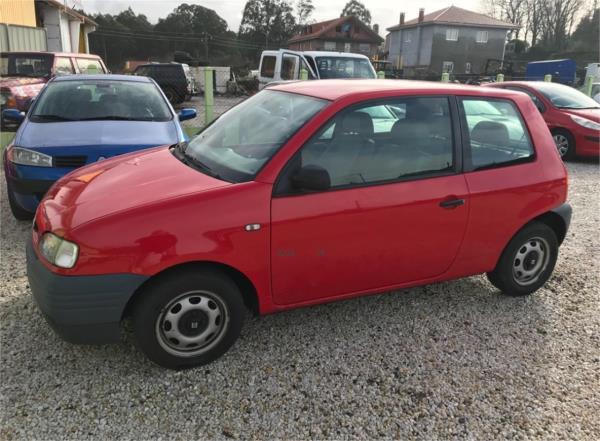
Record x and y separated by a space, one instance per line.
452 360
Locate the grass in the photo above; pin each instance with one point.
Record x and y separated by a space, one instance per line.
5 138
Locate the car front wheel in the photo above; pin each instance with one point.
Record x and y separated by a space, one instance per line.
565 144
188 318
527 262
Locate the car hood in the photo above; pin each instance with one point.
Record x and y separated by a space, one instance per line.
120 184
592 114
95 133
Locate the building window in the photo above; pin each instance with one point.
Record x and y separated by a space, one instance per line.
329 45
448 66
452 34
347 47
407 36
364 47
482 37
467 67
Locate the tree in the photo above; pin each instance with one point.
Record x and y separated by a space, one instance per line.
304 10
358 10
266 24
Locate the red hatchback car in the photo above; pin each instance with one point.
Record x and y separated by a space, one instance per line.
306 193
572 117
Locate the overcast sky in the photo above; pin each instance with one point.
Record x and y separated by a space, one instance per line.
383 12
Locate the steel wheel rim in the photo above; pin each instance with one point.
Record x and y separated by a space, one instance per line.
562 144
530 261
192 323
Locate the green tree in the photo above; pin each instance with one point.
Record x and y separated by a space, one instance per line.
266 24
304 10
358 10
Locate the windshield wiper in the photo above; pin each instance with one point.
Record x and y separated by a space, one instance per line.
114 118
52 117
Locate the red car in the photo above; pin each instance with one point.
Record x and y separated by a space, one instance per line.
572 117
306 193
23 74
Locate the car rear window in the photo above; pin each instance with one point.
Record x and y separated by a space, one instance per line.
89 66
497 135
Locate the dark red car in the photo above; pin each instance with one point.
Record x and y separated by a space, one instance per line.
308 192
572 117
23 74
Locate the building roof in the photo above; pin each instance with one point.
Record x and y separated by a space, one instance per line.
456 16
321 28
337 88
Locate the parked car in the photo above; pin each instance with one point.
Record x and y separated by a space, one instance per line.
596 92
172 79
81 119
284 64
572 117
23 74
293 198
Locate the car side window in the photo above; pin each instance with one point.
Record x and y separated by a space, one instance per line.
63 66
267 69
497 135
384 141
538 103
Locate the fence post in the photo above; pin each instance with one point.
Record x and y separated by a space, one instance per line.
303 74
445 77
587 85
381 75
499 78
209 99
548 78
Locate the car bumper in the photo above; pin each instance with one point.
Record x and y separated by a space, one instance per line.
588 144
28 193
81 309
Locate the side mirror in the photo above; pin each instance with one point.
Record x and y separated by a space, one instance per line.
186 114
13 115
312 178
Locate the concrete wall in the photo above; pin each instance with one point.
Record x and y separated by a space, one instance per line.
50 18
416 52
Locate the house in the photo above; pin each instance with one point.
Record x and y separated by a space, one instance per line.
449 40
43 25
344 34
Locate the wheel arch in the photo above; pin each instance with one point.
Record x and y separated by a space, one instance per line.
245 285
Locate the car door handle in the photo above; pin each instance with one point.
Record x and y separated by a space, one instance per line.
452 203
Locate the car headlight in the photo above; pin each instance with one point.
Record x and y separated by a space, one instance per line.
58 251
584 122
21 156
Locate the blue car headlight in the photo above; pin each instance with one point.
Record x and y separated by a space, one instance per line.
21 156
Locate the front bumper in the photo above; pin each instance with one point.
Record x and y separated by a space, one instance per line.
81 309
28 193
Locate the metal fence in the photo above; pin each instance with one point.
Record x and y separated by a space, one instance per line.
22 38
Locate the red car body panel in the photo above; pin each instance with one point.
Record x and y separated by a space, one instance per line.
587 141
160 213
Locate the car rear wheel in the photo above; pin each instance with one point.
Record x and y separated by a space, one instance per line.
172 95
18 212
565 143
527 262
188 318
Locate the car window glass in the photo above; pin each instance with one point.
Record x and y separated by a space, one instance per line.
267 68
289 66
533 97
497 134
397 139
63 66
89 66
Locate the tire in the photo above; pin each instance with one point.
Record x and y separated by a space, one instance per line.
565 143
188 318
527 261
172 95
18 212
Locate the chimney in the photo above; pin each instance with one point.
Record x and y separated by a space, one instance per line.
402 18
376 28
421 14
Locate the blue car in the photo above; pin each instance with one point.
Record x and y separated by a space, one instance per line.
80 119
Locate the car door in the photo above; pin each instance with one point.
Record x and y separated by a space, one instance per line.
395 212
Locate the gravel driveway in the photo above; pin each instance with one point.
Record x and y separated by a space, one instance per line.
452 360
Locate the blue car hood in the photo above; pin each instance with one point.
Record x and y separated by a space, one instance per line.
97 133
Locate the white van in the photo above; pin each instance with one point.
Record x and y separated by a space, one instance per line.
284 65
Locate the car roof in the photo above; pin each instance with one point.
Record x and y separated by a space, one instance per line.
334 54
58 54
106 77
337 88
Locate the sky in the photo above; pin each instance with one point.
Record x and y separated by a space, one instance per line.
383 12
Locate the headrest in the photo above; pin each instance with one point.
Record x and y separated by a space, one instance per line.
490 132
354 123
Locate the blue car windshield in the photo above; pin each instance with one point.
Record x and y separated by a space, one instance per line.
242 140
99 100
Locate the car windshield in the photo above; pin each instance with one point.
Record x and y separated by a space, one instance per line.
344 67
565 97
88 100
242 140
25 65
